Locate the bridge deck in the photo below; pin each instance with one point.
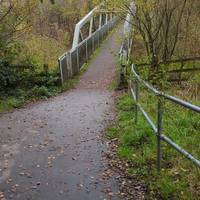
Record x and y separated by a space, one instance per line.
54 150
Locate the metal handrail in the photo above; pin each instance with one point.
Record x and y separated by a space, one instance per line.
71 62
87 18
157 129
166 96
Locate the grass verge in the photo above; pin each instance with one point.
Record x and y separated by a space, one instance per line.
179 178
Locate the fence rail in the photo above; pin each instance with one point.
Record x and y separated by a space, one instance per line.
71 62
124 55
161 97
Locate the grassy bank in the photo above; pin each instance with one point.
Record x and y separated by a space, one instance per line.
179 178
39 86
46 86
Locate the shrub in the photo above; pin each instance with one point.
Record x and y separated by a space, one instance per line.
39 92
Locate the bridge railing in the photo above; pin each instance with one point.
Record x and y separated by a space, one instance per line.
135 81
71 62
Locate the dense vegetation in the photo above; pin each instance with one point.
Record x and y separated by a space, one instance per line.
33 34
165 40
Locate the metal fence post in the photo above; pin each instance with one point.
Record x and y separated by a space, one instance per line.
137 90
67 68
106 18
71 67
91 26
77 54
61 72
98 38
93 43
100 21
86 49
108 26
159 132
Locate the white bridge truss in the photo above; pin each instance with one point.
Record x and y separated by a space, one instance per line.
97 25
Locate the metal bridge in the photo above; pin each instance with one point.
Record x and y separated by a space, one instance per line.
100 23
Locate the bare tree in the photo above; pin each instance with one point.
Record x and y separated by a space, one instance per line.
162 24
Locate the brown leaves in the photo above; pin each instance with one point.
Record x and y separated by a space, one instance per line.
79 186
26 174
14 188
2 197
46 141
51 158
130 187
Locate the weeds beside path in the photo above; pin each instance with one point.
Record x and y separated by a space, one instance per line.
135 153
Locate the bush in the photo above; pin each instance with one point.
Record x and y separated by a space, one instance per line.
7 75
14 77
15 102
38 92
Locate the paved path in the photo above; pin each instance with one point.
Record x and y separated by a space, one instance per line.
54 150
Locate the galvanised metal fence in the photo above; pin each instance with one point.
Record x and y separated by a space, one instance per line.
157 128
161 98
71 62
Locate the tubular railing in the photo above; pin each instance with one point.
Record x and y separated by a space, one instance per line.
157 129
161 98
71 62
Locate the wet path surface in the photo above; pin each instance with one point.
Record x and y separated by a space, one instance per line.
54 150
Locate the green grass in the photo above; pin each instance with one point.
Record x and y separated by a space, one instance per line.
21 96
179 177
125 152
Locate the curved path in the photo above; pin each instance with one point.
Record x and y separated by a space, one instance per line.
54 150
